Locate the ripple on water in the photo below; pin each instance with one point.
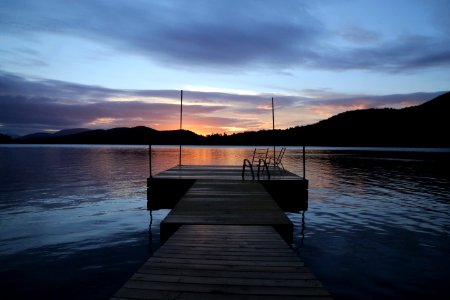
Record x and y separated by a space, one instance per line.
377 226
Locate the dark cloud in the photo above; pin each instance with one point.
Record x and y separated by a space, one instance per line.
11 84
226 34
178 32
405 53
33 105
359 35
367 101
28 106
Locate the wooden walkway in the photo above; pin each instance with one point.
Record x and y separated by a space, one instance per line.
227 202
223 262
165 189
225 238
222 173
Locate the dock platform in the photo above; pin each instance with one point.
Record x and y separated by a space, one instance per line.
223 262
227 202
165 189
225 172
226 237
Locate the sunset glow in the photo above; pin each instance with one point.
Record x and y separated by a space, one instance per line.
127 65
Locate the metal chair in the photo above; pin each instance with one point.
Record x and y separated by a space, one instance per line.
260 158
276 161
260 154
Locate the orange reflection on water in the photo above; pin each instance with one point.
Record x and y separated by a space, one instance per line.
215 156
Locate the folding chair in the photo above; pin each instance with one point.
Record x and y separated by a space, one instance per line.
276 161
260 155
259 158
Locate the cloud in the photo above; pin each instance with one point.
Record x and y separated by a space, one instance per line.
226 35
369 101
177 32
404 54
31 105
358 35
326 104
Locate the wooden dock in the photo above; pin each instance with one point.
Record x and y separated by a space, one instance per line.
222 173
223 262
165 189
227 202
225 238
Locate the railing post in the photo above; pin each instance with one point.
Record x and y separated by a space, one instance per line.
304 163
150 159
263 161
247 162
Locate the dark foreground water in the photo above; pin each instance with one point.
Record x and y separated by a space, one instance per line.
74 224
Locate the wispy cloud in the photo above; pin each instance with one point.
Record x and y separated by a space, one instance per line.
228 35
28 106
359 35
403 54
33 105
326 104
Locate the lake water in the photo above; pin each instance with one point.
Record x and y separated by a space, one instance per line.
74 224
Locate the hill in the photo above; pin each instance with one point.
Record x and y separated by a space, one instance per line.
417 126
39 135
5 139
136 135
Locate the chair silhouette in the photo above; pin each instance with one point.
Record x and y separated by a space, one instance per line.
260 155
276 161
260 159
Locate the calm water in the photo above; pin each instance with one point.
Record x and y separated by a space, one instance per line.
73 219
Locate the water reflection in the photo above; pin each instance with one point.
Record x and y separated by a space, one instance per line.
299 221
71 207
302 231
378 222
165 157
150 234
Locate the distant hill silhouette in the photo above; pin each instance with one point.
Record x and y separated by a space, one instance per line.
136 135
5 139
424 125
55 134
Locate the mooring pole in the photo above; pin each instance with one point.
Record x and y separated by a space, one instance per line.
150 159
181 124
273 132
304 163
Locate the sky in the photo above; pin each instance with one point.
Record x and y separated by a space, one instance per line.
122 63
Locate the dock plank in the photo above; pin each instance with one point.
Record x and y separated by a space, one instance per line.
227 202
222 172
225 238
166 188
174 272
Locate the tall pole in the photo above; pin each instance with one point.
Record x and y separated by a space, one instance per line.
150 159
181 124
304 163
273 131
181 111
